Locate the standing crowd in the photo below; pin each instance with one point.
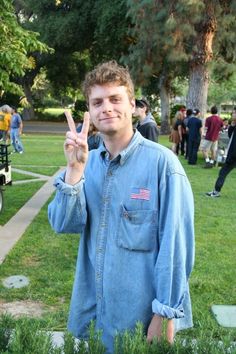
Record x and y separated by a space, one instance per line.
11 128
189 134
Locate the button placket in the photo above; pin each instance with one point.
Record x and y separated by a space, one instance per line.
102 237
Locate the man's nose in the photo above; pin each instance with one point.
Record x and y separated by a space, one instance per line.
107 106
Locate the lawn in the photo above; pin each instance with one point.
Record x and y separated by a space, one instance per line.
49 260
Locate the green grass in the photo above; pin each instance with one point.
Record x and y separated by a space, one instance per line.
20 176
49 260
41 152
15 197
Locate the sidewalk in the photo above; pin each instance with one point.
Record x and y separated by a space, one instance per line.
12 231
38 127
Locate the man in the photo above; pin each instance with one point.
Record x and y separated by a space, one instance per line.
213 126
230 162
147 125
5 118
194 129
132 203
16 131
189 113
184 132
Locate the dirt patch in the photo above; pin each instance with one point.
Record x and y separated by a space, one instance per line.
22 308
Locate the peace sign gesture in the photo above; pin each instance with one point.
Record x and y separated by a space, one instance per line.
76 148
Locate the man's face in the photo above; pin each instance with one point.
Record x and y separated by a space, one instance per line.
110 108
139 112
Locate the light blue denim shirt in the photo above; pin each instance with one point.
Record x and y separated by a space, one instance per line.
135 216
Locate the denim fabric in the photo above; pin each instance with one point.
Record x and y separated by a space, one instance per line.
136 251
16 140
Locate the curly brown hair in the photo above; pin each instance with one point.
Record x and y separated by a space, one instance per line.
109 72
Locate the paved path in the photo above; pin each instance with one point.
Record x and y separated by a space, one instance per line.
12 231
45 127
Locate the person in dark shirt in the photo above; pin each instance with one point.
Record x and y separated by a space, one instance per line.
230 162
194 128
147 125
189 113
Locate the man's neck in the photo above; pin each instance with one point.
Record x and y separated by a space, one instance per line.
117 143
141 119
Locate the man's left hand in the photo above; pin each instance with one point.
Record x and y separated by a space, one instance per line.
155 329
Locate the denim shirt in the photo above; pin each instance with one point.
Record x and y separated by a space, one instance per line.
135 216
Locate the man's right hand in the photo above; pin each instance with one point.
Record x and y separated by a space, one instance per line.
76 149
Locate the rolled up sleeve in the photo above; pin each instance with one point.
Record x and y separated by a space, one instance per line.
67 212
175 258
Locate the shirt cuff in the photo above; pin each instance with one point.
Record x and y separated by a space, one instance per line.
65 188
166 311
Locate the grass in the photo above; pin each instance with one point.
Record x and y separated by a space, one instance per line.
15 197
49 260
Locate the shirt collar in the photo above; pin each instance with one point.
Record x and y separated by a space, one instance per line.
137 138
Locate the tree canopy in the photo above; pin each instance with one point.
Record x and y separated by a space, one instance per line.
17 47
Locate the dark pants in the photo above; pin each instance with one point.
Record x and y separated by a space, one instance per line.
183 144
224 171
193 146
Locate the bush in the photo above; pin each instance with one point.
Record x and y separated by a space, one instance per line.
27 338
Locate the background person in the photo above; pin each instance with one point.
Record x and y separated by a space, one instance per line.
147 125
132 203
189 113
94 137
5 119
194 129
176 132
184 132
230 162
16 131
213 126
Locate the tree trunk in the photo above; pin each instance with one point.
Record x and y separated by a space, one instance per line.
165 104
198 88
199 73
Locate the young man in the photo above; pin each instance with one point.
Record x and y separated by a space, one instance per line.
5 118
194 129
132 203
16 131
147 125
189 113
213 126
230 162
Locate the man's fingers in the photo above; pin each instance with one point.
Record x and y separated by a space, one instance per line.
70 122
86 122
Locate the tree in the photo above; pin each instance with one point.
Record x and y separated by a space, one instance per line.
17 46
158 47
181 38
67 27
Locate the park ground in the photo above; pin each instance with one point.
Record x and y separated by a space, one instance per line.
48 260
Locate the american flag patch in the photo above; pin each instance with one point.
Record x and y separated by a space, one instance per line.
140 193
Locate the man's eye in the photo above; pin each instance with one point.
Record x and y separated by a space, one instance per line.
115 100
97 103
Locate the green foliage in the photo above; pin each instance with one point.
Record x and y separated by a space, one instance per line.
6 325
27 338
79 108
16 46
223 90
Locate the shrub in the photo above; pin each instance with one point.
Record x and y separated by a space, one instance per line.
27 338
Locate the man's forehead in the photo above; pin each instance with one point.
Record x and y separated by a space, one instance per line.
106 90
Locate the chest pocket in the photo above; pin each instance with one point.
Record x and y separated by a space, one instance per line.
137 229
